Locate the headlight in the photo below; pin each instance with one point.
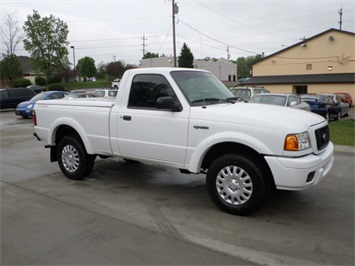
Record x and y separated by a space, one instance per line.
297 142
30 105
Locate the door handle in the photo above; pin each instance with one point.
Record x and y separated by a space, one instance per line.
127 117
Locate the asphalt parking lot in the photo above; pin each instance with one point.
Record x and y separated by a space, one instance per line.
126 214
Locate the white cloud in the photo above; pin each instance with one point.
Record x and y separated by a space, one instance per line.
107 29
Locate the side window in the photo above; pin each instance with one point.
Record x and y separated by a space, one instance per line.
4 94
54 96
146 89
27 92
16 92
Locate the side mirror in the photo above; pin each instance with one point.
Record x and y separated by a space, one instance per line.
293 103
168 103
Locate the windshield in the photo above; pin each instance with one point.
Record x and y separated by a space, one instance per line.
202 88
41 96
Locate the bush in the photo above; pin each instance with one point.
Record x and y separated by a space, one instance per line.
40 81
55 79
22 82
56 87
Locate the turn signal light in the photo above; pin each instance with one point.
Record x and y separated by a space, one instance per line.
291 143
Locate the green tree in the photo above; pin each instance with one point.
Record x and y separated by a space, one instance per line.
86 67
150 55
115 70
186 58
244 65
46 41
10 67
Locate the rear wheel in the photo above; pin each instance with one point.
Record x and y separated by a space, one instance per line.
236 184
73 159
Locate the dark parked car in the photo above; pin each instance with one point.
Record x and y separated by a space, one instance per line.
37 88
10 98
282 99
24 109
322 105
344 106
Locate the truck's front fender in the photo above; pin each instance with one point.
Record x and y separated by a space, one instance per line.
198 153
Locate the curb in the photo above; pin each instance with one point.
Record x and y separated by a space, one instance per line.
346 149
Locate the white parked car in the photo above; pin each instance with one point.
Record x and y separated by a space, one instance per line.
247 92
106 93
289 100
115 84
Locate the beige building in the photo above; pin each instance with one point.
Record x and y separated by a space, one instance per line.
223 69
324 63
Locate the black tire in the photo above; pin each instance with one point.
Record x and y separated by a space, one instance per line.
337 116
327 117
73 160
225 188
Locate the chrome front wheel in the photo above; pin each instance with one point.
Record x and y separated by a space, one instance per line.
234 185
238 183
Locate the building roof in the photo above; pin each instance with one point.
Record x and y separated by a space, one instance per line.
25 63
302 79
305 40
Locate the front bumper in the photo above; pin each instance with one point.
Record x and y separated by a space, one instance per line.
23 112
303 172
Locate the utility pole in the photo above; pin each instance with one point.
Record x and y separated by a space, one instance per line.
175 10
144 45
228 55
340 12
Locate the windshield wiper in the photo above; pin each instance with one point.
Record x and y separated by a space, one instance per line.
228 100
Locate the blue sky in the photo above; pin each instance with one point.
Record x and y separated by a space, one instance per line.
108 30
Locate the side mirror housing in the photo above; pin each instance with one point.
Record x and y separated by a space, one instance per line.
168 103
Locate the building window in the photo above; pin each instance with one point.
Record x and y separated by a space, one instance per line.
309 67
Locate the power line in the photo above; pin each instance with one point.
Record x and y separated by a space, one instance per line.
244 50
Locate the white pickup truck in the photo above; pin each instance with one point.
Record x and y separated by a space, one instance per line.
187 119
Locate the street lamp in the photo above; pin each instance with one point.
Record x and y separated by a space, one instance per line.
74 62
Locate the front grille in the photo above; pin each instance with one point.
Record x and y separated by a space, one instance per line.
322 136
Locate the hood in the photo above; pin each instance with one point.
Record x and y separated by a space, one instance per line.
23 104
260 115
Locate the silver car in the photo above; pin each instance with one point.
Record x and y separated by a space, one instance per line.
345 108
289 100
